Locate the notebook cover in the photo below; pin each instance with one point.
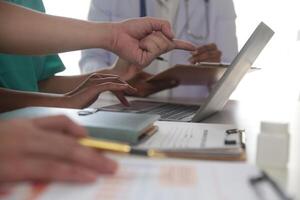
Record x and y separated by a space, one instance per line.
124 127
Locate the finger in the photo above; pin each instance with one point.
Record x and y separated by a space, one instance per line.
43 169
161 25
107 79
122 98
96 81
60 124
164 84
164 44
89 95
205 48
156 86
114 87
156 44
58 146
100 75
208 56
184 45
148 45
144 75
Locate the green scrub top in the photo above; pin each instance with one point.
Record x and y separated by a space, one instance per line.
24 72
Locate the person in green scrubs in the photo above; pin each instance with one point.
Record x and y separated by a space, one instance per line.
32 74
24 76
32 77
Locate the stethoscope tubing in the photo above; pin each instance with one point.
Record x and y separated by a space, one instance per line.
207 24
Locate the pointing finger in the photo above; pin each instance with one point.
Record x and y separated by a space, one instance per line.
205 48
122 98
184 45
110 86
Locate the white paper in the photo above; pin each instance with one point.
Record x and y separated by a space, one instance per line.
148 179
193 137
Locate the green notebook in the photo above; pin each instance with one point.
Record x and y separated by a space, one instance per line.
123 127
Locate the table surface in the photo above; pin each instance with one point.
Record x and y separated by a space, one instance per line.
247 116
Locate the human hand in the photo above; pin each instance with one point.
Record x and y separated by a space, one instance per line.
138 79
124 69
46 149
206 53
140 41
89 90
144 88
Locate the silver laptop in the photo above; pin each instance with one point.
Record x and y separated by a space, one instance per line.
219 94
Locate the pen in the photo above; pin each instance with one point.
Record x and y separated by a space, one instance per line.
161 59
119 147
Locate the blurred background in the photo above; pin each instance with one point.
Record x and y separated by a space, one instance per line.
279 79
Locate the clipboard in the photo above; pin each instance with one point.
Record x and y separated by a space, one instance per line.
198 141
215 154
204 73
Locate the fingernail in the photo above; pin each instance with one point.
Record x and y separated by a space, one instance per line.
86 175
111 166
107 166
126 103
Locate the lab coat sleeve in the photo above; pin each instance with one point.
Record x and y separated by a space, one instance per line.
226 31
95 59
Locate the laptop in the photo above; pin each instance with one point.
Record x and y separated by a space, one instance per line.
220 93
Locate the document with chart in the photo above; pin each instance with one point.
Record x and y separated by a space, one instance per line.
197 140
148 179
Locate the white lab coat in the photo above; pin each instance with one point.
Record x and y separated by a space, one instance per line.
222 31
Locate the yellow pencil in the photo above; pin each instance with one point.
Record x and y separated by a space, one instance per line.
119 147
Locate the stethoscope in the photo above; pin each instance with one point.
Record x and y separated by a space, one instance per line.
188 27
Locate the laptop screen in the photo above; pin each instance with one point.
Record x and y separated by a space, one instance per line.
235 72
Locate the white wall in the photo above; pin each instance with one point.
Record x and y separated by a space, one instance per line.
279 78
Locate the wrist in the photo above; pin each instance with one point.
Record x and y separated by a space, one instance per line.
64 101
123 68
105 35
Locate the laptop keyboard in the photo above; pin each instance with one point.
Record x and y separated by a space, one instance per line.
167 111
173 111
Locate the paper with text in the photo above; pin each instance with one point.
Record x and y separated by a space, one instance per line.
148 179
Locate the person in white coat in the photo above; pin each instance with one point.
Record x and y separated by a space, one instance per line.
210 24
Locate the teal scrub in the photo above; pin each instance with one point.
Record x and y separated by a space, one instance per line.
24 72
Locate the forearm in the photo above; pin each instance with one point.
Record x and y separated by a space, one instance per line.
12 99
65 84
61 84
28 32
